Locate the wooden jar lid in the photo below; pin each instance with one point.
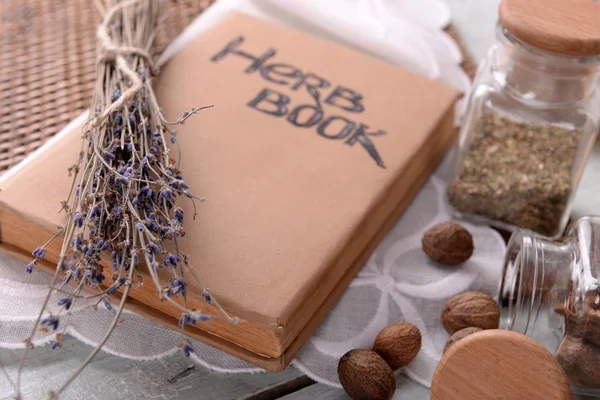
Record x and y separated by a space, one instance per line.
499 364
569 27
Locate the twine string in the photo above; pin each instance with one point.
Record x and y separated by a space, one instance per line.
109 52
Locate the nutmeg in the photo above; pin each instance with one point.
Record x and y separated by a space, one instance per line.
591 326
398 344
584 325
364 375
448 243
580 361
458 335
470 309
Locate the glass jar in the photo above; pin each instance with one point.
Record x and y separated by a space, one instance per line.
550 291
531 120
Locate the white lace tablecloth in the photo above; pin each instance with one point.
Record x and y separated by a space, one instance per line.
397 283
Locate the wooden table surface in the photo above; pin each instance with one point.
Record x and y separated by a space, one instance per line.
112 378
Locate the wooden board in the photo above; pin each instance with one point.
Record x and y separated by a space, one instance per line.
406 389
113 378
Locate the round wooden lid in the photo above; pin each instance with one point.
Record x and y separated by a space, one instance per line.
494 364
569 27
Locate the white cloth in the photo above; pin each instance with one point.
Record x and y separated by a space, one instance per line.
397 283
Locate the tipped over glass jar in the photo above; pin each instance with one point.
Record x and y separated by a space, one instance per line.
550 291
531 120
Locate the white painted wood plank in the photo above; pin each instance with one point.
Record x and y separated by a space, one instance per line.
405 389
114 378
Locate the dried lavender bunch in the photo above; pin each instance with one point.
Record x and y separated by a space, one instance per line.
122 201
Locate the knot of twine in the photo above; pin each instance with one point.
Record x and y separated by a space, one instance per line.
109 52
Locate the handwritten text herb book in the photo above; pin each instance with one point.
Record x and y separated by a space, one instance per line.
308 157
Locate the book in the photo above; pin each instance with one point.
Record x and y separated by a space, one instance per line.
310 154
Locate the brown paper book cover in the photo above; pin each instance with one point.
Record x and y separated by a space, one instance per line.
308 157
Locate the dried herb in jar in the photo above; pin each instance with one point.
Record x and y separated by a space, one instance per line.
517 173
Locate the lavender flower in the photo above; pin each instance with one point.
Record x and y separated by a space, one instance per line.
126 184
108 156
29 267
171 259
107 304
206 296
153 248
178 214
204 317
51 322
178 286
187 348
78 241
146 191
166 194
99 277
40 252
65 301
115 95
78 220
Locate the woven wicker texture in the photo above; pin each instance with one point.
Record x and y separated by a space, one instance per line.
47 65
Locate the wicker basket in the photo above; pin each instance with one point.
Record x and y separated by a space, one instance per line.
47 65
